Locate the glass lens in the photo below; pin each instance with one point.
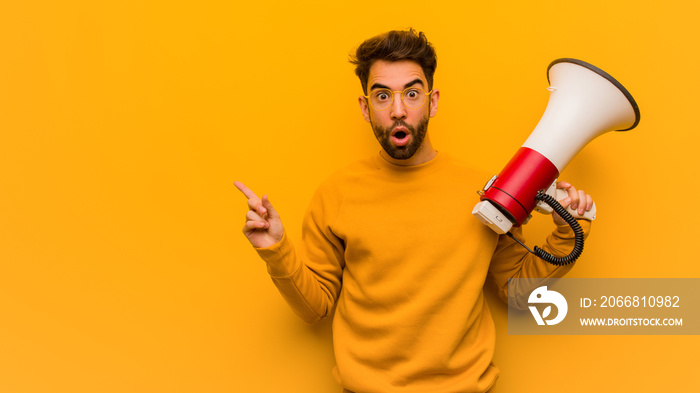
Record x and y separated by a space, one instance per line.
413 97
381 99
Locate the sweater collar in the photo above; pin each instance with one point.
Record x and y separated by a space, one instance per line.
433 165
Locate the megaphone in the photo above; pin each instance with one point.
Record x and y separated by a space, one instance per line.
585 102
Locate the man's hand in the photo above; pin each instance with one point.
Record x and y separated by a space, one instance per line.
263 226
576 199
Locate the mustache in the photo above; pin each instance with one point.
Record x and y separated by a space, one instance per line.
403 124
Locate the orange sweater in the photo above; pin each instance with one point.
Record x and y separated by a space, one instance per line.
399 253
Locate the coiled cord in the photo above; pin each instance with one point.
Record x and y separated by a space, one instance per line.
566 216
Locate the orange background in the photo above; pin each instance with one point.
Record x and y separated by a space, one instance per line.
124 124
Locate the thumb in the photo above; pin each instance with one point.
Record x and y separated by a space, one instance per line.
271 212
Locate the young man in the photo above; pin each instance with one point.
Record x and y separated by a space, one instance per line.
391 242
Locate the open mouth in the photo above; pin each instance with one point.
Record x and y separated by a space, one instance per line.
400 136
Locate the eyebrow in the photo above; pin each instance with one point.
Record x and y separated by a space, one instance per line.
406 86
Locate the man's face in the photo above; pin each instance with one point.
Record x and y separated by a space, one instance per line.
400 130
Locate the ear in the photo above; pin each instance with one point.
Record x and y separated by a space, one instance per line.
364 108
434 98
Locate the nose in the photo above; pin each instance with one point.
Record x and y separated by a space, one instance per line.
398 109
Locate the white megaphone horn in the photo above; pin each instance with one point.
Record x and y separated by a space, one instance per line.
585 102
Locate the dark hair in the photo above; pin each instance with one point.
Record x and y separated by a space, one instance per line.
395 45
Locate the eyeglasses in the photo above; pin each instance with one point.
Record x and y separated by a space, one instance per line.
412 97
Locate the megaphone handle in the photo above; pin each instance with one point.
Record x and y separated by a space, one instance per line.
559 194
588 215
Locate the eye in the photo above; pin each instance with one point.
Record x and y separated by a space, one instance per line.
412 94
382 95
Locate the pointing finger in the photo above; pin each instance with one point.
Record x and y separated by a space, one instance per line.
245 190
254 202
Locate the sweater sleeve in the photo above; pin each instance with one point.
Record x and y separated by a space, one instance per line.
309 280
511 260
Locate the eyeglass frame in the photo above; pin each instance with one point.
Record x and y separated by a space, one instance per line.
393 92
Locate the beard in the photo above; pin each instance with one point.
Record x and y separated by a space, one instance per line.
418 133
